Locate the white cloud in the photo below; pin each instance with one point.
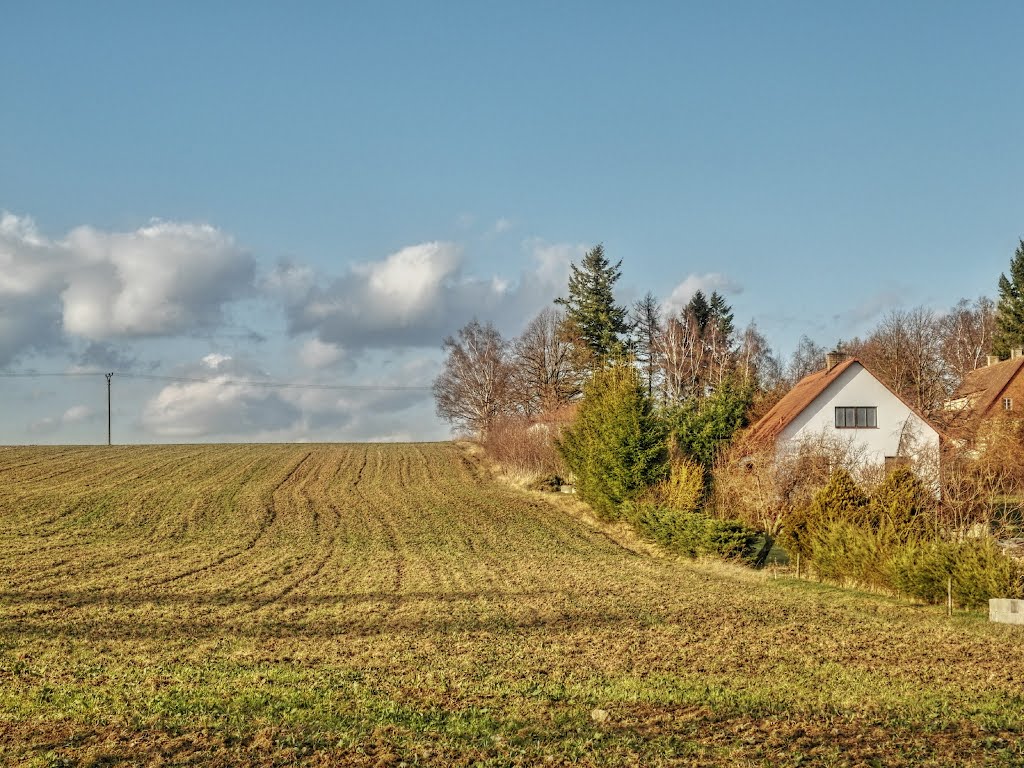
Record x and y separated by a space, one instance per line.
409 282
502 225
318 354
219 404
164 279
417 296
76 414
708 282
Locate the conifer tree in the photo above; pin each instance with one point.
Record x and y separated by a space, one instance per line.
616 447
699 309
1010 309
593 319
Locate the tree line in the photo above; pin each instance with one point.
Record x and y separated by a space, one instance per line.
688 355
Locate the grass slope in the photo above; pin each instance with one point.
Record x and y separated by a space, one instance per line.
374 605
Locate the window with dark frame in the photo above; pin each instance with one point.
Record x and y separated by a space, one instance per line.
856 417
1007 403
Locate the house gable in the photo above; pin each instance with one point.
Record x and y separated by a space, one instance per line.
809 411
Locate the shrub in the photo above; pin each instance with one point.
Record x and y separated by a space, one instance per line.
616 447
683 489
840 500
979 570
693 534
847 553
902 505
523 446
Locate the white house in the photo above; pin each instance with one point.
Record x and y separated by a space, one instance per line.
846 403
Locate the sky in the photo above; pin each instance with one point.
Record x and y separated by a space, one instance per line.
208 198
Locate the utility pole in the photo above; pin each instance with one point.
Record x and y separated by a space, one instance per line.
109 377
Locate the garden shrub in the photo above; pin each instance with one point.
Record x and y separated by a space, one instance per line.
904 506
845 552
693 534
979 569
840 500
616 447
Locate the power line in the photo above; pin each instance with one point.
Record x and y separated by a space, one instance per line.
267 384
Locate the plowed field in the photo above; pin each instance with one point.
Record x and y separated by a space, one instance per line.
380 605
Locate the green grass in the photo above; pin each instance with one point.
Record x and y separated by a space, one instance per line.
374 605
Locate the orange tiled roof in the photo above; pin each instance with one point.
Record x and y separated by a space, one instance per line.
795 401
985 385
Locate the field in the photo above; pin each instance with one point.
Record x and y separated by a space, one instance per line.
388 605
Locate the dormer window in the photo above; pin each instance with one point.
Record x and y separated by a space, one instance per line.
1007 403
856 417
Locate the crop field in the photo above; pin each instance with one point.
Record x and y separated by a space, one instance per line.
394 604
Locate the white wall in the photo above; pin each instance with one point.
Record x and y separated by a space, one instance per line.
855 386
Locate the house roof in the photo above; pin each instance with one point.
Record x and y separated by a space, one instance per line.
985 385
795 401
806 391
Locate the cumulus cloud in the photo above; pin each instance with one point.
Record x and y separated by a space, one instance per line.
417 296
76 414
318 354
226 399
163 279
709 282
233 399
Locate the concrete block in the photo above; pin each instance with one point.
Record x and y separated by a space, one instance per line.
1006 611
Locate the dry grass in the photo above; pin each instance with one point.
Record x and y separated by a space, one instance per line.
379 605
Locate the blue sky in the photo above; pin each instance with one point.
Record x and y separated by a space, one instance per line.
320 194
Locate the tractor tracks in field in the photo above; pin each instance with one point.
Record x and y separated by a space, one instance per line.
265 524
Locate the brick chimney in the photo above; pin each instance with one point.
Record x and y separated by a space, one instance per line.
991 360
834 358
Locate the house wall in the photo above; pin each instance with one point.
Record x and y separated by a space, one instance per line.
1015 391
855 386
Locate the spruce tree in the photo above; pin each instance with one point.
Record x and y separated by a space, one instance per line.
1009 332
616 447
699 310
721 314
592 318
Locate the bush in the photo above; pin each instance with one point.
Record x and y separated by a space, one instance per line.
980 570
847 553
523 446
839 501
902 505
683 489
693 534
616 447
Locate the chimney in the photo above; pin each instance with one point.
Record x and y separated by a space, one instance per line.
1016 352
834 358
991 360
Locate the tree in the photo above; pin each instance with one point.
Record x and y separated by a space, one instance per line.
905 351
967 332
645 321
545 374
701 428
475 384
808 357
616 447
1010 309
592 318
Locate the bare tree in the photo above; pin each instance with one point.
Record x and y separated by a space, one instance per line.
967 336
545 373
905 351
808 357
475 385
